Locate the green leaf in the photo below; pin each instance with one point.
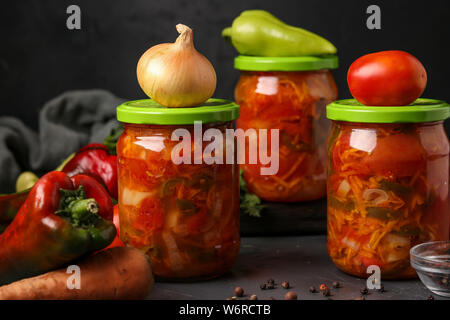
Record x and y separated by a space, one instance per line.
250 203
111 141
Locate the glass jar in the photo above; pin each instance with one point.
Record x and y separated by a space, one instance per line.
289 94
388 172
184 216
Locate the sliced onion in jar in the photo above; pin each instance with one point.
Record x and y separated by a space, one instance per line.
133 197
375 196
352 244
344 188
176 261
395 248
397 242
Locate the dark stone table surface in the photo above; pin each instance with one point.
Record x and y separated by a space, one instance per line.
287 219
301 260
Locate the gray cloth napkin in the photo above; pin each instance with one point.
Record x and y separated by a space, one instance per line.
66 123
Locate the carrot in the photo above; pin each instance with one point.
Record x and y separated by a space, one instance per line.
116 273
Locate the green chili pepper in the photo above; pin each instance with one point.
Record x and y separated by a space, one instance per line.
259 33
186 206
199 181
397 188
383 213
168 187
408 230
335 203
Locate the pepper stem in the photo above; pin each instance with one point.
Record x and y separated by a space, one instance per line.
83 206
226 34
78 210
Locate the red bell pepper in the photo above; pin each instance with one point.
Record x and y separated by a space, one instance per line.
11 203
94 159
9 206
58 223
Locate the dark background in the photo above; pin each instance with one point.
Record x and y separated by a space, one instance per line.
40 58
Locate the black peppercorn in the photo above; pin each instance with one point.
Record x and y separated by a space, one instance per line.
364 291
285 285
336 284
263 286
270 286
271 281
326 292
381 289
291 295
312 289
238 291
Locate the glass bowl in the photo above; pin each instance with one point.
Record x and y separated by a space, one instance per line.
432 263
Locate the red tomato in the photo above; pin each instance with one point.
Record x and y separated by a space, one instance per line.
150 216
117 242
387 78
401 155
371 261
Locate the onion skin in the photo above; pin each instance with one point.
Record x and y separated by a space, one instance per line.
176 74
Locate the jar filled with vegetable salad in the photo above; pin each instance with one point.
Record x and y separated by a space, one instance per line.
184 215
289 94
388 172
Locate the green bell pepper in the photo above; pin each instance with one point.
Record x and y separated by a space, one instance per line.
259 33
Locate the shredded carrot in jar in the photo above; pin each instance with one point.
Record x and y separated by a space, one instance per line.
297 109
363 232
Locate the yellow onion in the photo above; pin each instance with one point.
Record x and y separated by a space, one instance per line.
176 74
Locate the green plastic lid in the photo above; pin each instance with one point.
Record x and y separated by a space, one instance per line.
147 111
421 110
304 63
